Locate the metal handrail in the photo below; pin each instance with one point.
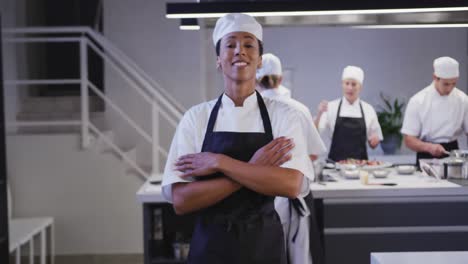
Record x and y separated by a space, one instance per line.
121 112
146 81
146 87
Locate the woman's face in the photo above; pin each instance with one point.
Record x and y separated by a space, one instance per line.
351 89
239 56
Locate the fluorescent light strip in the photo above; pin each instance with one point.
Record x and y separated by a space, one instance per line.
322 13
413 26
189 27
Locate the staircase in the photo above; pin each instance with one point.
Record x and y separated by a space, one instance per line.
90 113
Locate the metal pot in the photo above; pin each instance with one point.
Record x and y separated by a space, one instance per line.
459 153
455 168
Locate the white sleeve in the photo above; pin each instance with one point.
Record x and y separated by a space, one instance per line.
300 159
324 127
315 145
411 123
374 125
184 142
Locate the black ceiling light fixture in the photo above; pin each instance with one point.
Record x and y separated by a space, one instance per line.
189 24
217 8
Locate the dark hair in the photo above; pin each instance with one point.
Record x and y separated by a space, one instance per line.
260 47
269 81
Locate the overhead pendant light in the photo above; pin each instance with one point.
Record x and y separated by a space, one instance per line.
310 8
189 24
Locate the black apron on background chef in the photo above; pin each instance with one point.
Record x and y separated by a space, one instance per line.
298 216
437 116
350 121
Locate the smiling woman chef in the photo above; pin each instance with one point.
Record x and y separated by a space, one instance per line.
223 159
349 121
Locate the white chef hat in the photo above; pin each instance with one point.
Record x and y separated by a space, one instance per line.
446 68
353 72
271 65
236 22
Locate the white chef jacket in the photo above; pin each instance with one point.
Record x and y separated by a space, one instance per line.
190 133
435 118
299 252
315 145
328 119
275 93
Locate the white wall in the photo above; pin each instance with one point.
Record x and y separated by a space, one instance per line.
396 62
170 56
88 193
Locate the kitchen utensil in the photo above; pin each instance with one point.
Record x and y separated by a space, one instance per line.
458 153
383 184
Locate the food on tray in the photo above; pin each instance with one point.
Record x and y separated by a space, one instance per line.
361 162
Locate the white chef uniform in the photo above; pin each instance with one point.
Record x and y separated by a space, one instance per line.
328 119
435 118
298 251
280 92
191 132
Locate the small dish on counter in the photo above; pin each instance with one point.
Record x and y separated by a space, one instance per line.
380 174
350 173
406 169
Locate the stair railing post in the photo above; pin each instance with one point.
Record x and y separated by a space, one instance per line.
155 136
85 139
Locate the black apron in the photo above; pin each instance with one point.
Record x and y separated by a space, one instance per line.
349 137
425 155
316 245
244 227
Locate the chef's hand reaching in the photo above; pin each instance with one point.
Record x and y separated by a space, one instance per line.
436 150
374 141
322 107
198 164
274 153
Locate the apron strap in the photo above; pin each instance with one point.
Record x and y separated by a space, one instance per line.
363 118
265 116
213 116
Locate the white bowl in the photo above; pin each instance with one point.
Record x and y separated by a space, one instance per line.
350 174
406 169
380 173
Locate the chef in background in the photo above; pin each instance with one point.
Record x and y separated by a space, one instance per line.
349 122
269 79
298 216
437 115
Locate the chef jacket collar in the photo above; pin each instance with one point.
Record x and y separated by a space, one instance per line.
249 103
356 102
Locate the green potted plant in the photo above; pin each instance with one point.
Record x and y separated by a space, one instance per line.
390 117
